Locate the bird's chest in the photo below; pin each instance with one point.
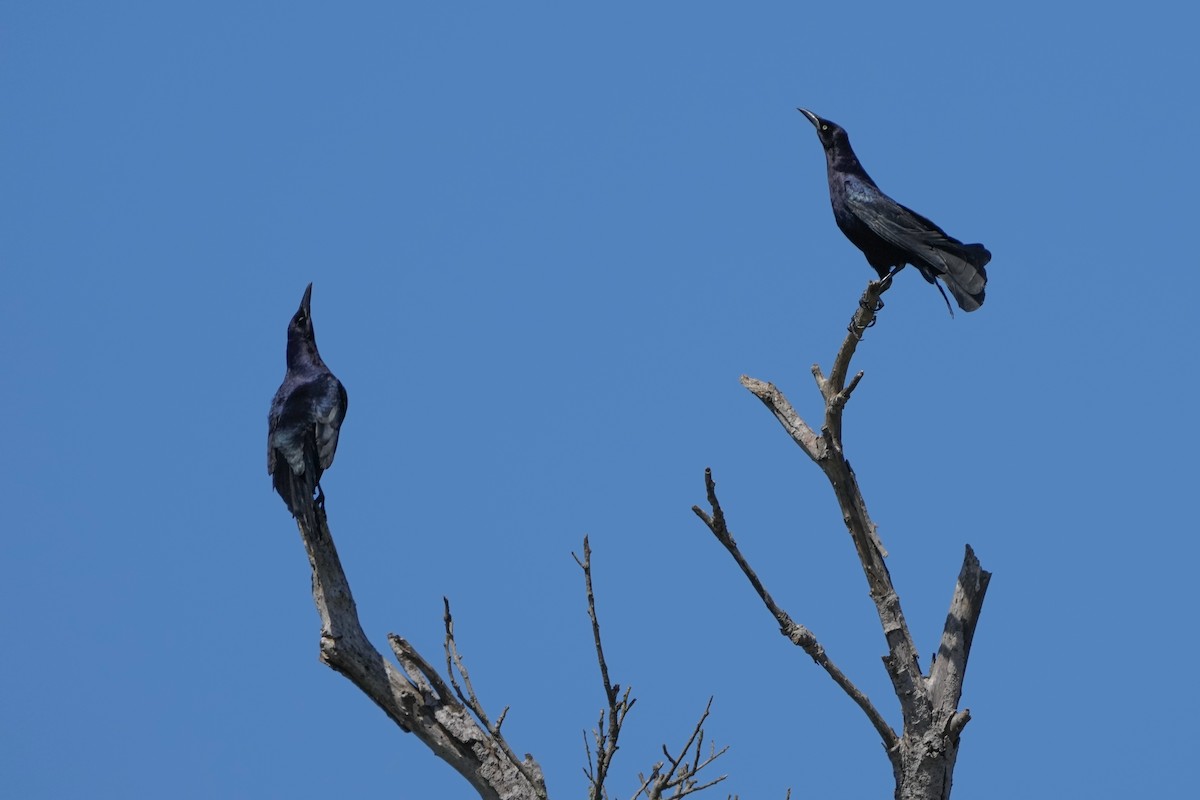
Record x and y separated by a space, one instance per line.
849 194
301 400
840 192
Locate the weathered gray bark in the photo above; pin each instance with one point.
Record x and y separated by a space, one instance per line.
923 755
416 699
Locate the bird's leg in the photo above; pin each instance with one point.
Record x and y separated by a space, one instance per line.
949 307
320 501
884 283
872 307
857 330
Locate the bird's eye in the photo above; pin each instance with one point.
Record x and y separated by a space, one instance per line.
824 127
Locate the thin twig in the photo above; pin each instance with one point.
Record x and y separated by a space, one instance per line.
618 705
454 662
586 566
681 777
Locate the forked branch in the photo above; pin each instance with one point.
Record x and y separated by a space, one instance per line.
414 696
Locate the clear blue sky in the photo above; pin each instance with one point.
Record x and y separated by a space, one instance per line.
545 243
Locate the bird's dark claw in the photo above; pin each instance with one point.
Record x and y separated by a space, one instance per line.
877 309
857 331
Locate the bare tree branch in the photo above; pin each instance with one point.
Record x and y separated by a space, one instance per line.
812 444
950 664
416 699
798 634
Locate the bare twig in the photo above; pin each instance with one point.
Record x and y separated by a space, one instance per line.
798 634
618 705
455 663
680 778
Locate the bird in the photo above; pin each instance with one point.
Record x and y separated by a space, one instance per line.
891 235
305 419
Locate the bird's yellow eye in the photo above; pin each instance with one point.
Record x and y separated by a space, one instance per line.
824 127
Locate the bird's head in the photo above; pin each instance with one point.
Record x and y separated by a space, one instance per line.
830 133
302 341
301 324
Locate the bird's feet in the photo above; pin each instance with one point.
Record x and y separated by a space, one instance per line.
857 331
878 306
880 286
883 284
319 503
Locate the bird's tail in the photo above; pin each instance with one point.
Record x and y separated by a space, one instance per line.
297 489
961 268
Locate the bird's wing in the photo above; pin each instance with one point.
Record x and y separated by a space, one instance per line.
272 422
330 411
929 245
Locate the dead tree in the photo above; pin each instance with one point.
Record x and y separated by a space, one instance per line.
924 753
451 721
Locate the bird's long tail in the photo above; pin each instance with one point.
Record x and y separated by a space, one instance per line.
964 274
961 268
297 489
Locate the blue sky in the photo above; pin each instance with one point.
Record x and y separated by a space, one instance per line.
545 243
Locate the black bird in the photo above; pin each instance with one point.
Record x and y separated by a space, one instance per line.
891 235
305 417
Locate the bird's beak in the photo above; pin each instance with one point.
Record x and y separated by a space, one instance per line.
307 298
813 118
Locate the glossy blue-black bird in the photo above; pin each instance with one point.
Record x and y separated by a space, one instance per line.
891 235
305 418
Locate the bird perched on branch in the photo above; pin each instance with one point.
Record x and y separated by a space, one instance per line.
305 418
891 235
